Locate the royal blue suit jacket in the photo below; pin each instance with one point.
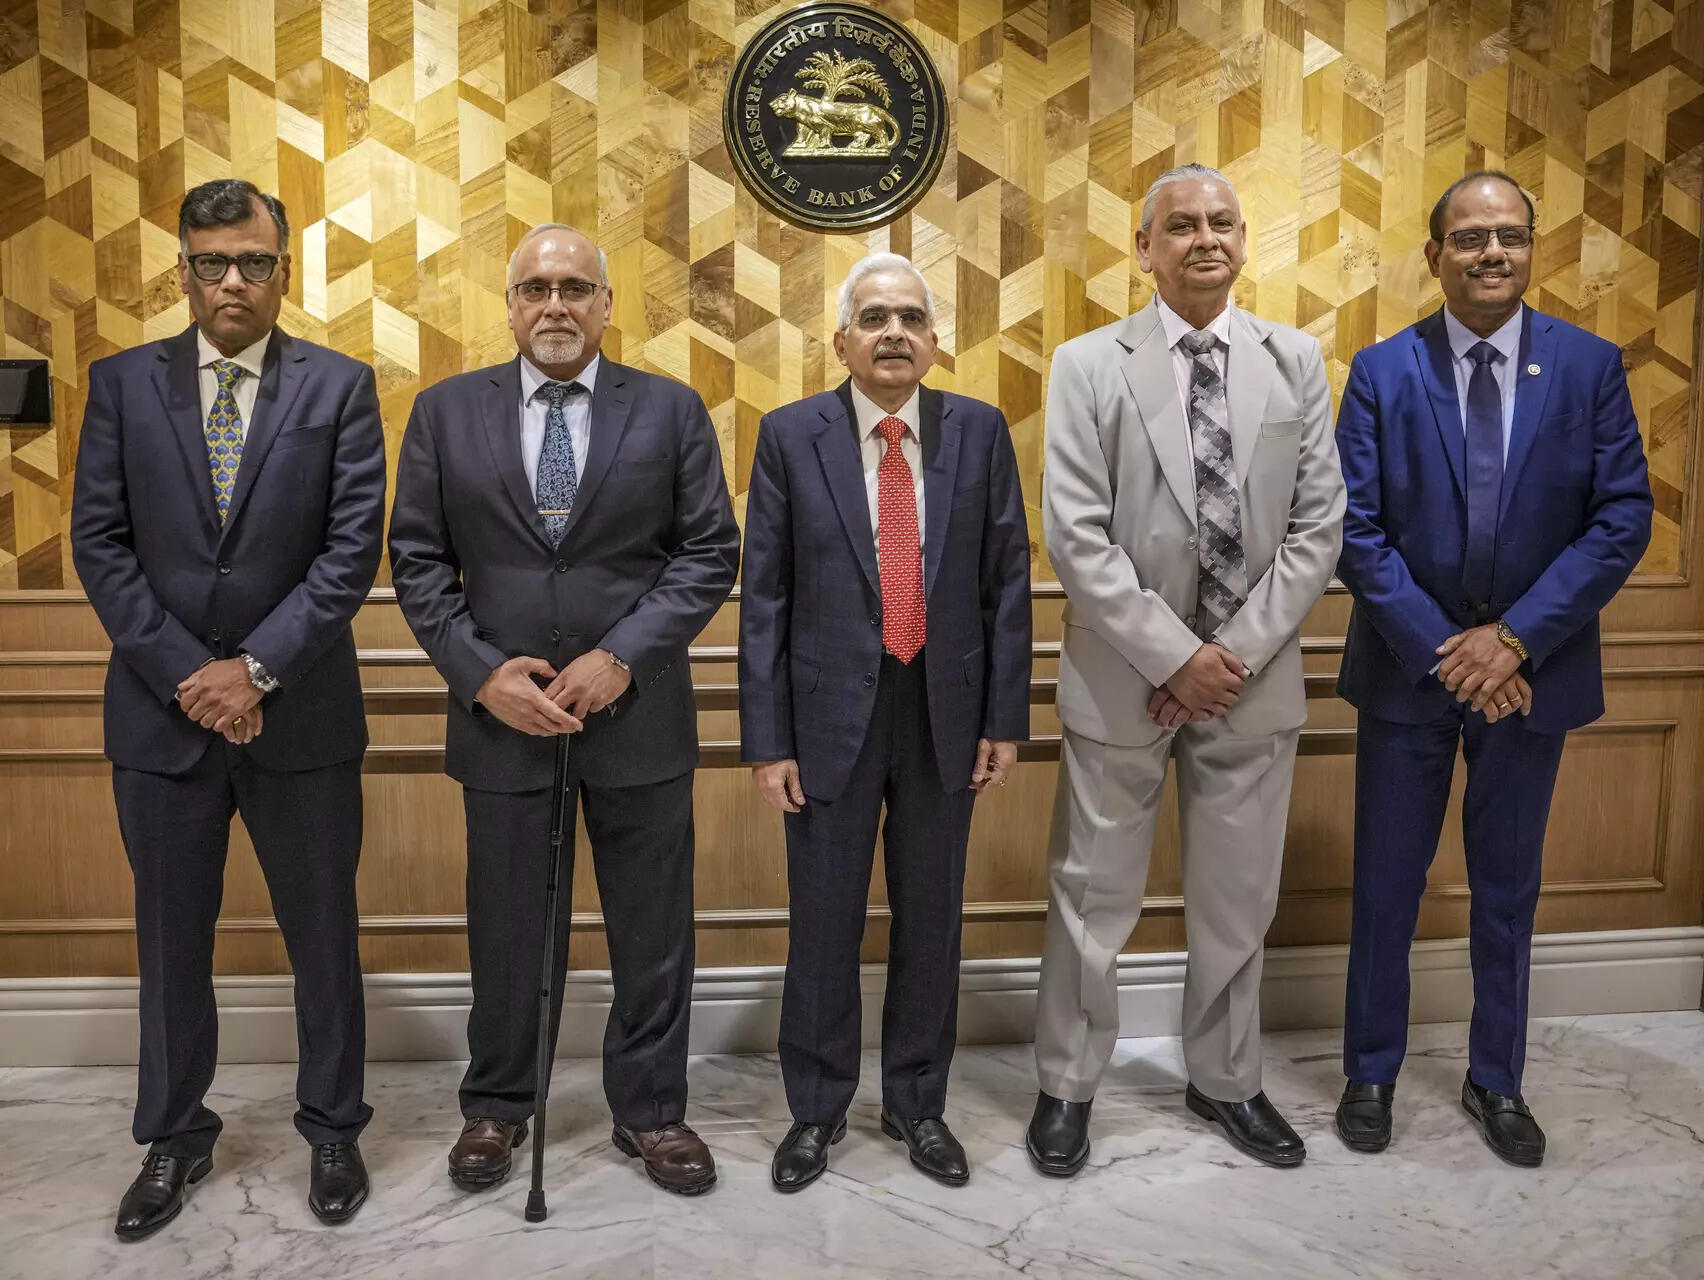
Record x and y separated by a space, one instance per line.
810 593
282 577
1575 518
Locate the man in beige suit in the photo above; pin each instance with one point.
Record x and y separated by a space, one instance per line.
1193 508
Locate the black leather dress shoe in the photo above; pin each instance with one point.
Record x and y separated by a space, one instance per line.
157 1195
1254 1127
337 1184
1363 1115
932 1145
1505 1123
802 1156
1058 1136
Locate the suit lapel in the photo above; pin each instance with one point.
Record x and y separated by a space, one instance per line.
1248 382
940 439
282 374
1532 390
1436 362
501 419
1148 370
612 402
176 381
843 468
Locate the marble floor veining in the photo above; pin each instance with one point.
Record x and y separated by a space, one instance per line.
1621 1194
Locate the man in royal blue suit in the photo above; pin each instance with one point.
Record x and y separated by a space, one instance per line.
227 523
1497 501
884 659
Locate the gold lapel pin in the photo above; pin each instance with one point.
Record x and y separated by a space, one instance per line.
1533 370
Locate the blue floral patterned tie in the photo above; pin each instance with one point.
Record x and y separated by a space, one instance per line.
224 429
558 478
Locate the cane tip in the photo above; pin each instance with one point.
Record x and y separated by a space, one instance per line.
536 1212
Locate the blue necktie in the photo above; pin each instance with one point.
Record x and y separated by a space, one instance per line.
224 431
1484 474
558 478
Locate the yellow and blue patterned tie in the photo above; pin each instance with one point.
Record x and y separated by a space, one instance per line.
225 435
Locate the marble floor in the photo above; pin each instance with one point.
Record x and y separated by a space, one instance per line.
1621 1195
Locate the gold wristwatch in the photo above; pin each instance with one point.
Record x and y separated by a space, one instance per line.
1511 639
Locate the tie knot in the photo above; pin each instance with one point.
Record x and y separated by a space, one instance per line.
1198 342
557 392
891 429
1483 352
229 372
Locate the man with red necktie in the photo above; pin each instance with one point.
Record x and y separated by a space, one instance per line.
884 659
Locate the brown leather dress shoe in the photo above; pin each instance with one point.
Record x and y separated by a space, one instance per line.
675 1157
480 1157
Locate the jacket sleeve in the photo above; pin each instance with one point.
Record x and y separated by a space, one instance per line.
145 637
766 585
1005 588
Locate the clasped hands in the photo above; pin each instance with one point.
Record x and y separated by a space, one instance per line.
218 696
586 685
1480 668
1208 685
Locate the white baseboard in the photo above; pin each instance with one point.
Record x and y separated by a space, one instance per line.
90 1021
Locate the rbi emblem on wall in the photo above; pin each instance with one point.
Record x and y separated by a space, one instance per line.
836 118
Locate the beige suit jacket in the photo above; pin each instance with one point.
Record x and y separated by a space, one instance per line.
1118 514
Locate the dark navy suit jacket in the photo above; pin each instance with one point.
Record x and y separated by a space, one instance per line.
280 580
1575 518
648 557
810 595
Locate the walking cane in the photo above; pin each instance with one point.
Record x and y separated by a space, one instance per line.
536 1212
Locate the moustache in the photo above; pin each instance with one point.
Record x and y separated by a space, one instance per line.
1489 273
902 353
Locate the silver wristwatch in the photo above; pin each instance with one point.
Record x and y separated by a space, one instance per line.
618 662
258 675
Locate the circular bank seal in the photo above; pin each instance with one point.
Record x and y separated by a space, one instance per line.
835 117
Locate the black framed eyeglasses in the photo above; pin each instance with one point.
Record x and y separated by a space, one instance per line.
1474 239
256 268
875 319
573 292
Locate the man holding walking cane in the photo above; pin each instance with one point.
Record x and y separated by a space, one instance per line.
562 532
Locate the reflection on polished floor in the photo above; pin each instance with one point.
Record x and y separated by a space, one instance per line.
1621 1195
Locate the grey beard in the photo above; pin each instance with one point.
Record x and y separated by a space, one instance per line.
558 348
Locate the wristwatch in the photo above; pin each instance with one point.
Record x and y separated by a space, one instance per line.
1511 639
615 661
258 675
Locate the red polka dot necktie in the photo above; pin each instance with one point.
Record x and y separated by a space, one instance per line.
900 551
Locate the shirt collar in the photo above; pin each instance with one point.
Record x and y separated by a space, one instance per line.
251 358
1176 326
1507 340
870 413
532 377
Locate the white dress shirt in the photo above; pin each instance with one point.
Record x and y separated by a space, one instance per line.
1176 328
535 409
251 358
1507 340
874 449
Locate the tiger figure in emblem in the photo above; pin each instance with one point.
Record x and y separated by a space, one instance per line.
874 132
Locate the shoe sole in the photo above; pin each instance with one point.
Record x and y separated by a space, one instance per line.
788 1188
1371 1148
617 1137
1276 1162
485 1181
332 1219
893 1132
1056 1170
197 1172
1520 1162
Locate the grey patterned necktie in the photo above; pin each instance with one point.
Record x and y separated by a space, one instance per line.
1222 583
558 478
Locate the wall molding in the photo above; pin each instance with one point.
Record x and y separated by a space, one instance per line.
92 1021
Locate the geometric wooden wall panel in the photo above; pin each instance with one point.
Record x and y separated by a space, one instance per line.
413 141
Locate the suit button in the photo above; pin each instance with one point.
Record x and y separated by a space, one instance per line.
224 566
555 633
869 680
875 619
562 566
1190 622
215 636
1189 541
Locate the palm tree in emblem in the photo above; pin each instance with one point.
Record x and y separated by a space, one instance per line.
874 132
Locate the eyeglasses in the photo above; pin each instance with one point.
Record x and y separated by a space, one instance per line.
535 293
1474 239
210 268
875 319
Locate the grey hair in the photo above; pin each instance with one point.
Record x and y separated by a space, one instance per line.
870 266
540 229
228 202
1183 173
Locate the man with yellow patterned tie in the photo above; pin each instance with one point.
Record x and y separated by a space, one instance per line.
226 524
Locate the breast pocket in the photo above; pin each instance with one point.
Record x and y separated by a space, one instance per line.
1282 427
659 465
298 437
